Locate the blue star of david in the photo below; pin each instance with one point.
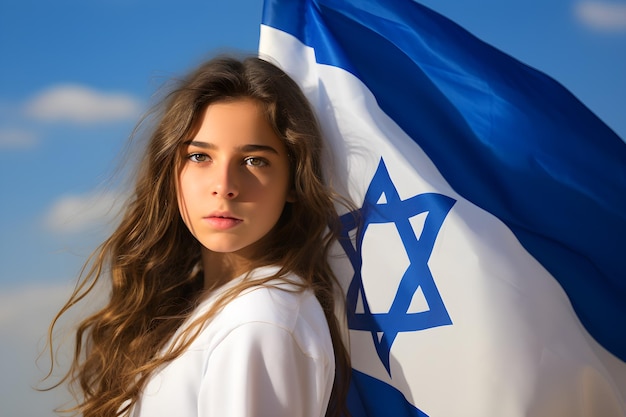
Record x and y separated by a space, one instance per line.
391 209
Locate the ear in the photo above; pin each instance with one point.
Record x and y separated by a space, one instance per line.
291 196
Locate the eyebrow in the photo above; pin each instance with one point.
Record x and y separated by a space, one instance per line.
245 148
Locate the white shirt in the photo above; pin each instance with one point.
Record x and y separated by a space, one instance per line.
267 353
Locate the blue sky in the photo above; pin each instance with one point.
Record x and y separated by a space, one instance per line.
76 75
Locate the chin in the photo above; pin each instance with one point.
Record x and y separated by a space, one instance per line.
224 248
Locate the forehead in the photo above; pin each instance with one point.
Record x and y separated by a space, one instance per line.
238 121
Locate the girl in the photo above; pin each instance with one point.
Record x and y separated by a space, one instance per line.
222 299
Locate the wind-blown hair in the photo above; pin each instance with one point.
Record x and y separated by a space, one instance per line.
154 262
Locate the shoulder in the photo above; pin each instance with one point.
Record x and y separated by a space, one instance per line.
277 302
276 307
270 345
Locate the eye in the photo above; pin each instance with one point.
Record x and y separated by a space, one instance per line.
198 157
256 162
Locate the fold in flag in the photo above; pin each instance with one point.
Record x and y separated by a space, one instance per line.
487 273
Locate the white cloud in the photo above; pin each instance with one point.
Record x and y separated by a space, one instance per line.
80 104
602 15
25 313
77 213
15 138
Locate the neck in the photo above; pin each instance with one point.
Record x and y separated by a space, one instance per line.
220 268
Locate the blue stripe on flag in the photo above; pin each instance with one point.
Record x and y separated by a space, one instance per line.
505 136
371 397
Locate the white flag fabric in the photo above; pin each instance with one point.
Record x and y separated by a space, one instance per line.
487 276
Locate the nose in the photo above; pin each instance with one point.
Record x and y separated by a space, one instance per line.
225 183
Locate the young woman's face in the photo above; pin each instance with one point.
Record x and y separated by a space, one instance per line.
235 177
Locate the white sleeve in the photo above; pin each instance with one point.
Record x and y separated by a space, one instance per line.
259 370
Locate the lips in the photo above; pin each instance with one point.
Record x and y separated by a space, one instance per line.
222 221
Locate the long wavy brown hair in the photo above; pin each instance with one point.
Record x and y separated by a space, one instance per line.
154 262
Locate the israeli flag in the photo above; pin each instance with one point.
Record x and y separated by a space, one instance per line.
487 276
